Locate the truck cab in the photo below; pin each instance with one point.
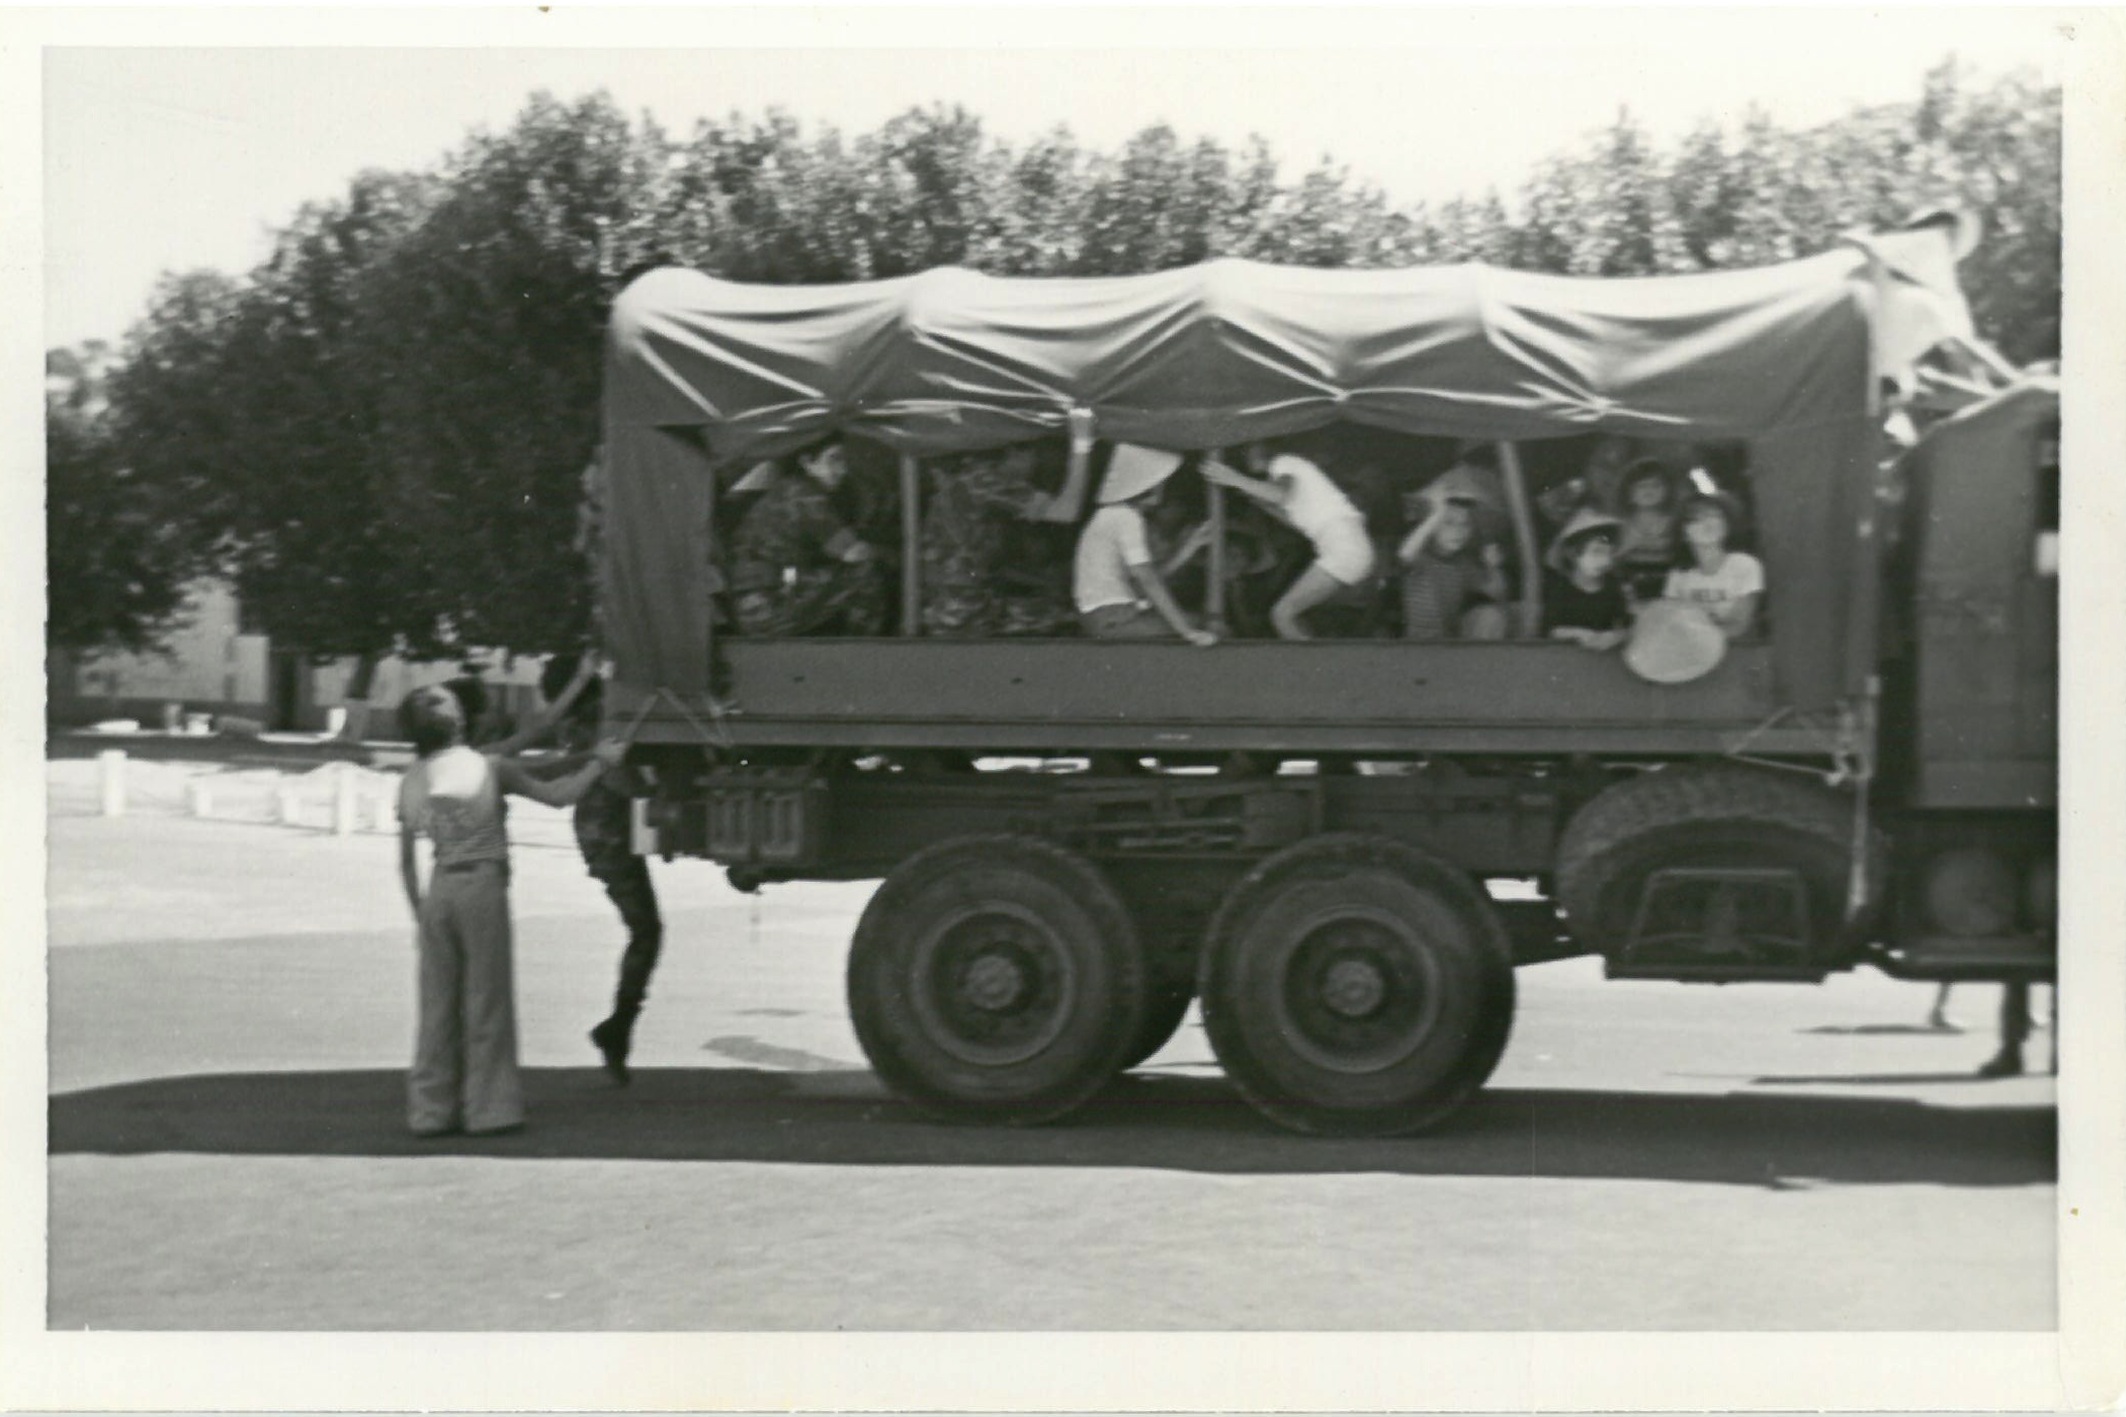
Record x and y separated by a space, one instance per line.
1970 782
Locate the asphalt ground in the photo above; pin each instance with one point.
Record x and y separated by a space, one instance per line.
231 1011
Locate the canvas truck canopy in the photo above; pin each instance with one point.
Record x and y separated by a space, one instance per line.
704 375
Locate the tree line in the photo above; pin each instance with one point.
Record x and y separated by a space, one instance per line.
378 434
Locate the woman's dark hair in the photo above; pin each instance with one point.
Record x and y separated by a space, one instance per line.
471 693
1647 470
559 669
582 716
430 728
1724 503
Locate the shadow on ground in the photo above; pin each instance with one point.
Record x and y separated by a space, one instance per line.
1181 1124
1883 1079
1850 1030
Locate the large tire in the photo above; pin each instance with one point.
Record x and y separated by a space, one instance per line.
1355 986
996 979
1711 817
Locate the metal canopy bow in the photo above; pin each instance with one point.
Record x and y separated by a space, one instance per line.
1782 357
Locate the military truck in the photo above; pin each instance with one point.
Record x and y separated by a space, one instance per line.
1067 854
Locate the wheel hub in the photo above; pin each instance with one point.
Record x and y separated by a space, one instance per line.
1359 993
1353 988
993 986
994 982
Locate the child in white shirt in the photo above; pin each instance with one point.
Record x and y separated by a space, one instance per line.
1726 585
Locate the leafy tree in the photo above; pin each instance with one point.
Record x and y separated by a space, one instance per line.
320 537
933 186
1146 208
488 316
118 555
1465 230
2002 146
1041 223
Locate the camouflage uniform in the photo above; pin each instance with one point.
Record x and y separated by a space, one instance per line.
965 530
603 835
784 580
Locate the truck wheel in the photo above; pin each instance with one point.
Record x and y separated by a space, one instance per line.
996 979
1698 817
1352 985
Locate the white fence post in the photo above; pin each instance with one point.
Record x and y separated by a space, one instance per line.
343 802
111 781
289 809
199 795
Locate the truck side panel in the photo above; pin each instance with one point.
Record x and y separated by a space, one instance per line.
1325 696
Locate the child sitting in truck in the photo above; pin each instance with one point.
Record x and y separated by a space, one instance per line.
1582 600
1119 590
1726 584
1646 544
1454 582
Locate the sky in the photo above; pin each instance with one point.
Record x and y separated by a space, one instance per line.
168 158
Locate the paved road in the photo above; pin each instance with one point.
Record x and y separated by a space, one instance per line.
231 1006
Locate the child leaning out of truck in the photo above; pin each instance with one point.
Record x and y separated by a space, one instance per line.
1582 598
1726 585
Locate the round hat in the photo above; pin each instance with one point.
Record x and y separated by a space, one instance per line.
1476 488
1583 522
1134 471
1465 482
1674 642
758 478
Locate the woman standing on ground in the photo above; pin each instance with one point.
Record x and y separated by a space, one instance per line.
464 1074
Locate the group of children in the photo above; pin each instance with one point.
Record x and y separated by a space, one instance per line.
998 556
1449 576
1605 566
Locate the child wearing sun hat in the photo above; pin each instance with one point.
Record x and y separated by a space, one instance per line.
1582 599
1119 591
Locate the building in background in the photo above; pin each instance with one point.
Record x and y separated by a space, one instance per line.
213 665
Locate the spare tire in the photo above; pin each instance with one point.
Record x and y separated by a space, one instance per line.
1703 817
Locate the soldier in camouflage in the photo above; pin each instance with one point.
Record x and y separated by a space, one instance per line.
968 589
604 837
795 568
